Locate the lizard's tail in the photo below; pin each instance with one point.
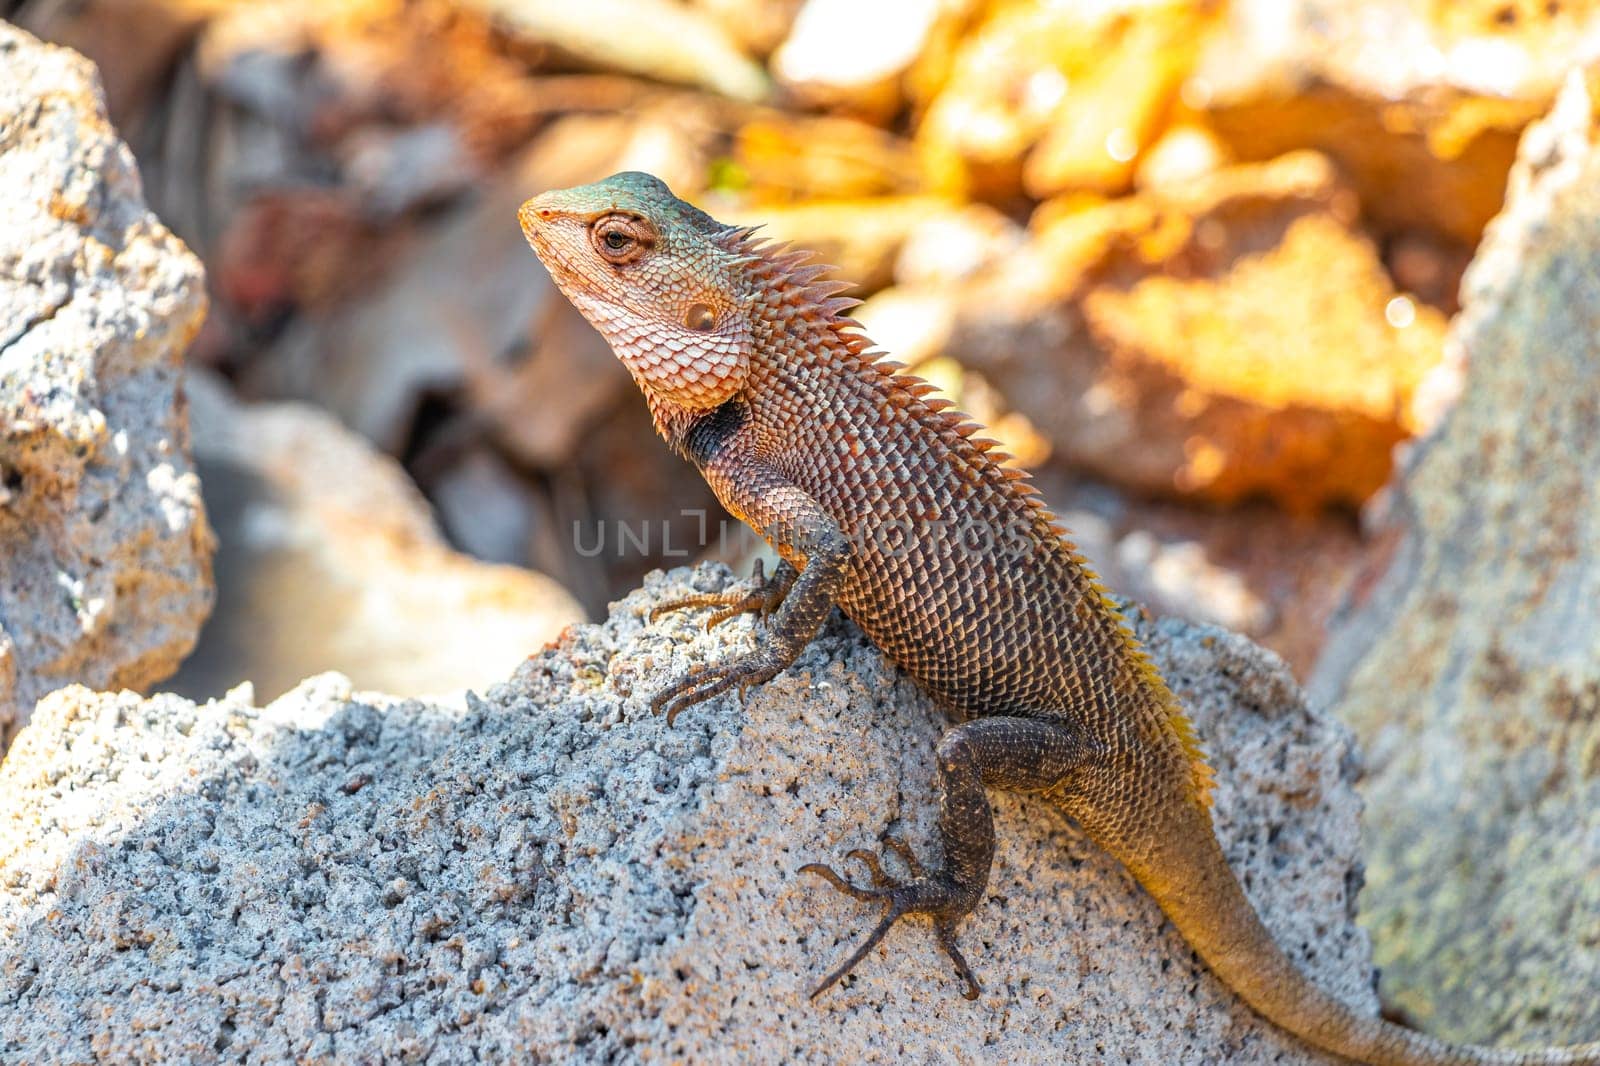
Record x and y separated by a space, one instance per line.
1183 867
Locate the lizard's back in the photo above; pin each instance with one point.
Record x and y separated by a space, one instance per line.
957 573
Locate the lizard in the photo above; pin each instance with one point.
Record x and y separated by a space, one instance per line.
882 500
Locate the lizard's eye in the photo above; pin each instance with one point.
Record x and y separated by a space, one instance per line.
620 239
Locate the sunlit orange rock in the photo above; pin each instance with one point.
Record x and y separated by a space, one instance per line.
778 157
1233 338
758 27
1115 107
1184 153
1420 102
859 238
657 39
1043 98
860 58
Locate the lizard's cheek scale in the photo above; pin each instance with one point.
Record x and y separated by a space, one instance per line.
689 368
692 369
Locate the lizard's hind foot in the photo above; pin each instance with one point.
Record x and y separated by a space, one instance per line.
922 893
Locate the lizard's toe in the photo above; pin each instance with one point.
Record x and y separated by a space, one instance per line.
761 603
694 602
921 893
893 915
712 681
880 879
842 883
907 856
760 597
946 931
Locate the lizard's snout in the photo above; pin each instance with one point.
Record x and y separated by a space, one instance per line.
535 213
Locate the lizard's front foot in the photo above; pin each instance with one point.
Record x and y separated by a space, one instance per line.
935 895
762 599
702 685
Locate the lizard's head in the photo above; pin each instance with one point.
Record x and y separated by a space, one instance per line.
657 277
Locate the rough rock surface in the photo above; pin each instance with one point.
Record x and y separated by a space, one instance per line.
104 549
330 559
552 875
1471 666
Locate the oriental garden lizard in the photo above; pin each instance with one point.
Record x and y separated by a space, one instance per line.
753 372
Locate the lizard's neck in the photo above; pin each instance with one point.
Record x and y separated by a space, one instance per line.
672 421
793 318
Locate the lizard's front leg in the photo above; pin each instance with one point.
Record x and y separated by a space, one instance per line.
1018 754
789 518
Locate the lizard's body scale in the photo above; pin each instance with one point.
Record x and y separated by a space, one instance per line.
906 483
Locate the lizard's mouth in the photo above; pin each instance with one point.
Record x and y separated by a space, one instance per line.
536 226
533 230
560 266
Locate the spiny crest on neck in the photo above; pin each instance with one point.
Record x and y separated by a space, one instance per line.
777 287
777 270
791 280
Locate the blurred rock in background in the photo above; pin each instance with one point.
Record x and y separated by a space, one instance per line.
330 557
1420 102
1225 338
105 554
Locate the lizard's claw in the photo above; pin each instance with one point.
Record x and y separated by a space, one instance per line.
880 879
919 894
762 599
713 681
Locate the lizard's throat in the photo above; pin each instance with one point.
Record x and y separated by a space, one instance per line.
675 365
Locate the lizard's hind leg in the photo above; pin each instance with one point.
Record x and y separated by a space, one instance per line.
1018 754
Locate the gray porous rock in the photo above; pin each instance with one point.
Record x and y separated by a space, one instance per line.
1469 664
104 549
549 874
